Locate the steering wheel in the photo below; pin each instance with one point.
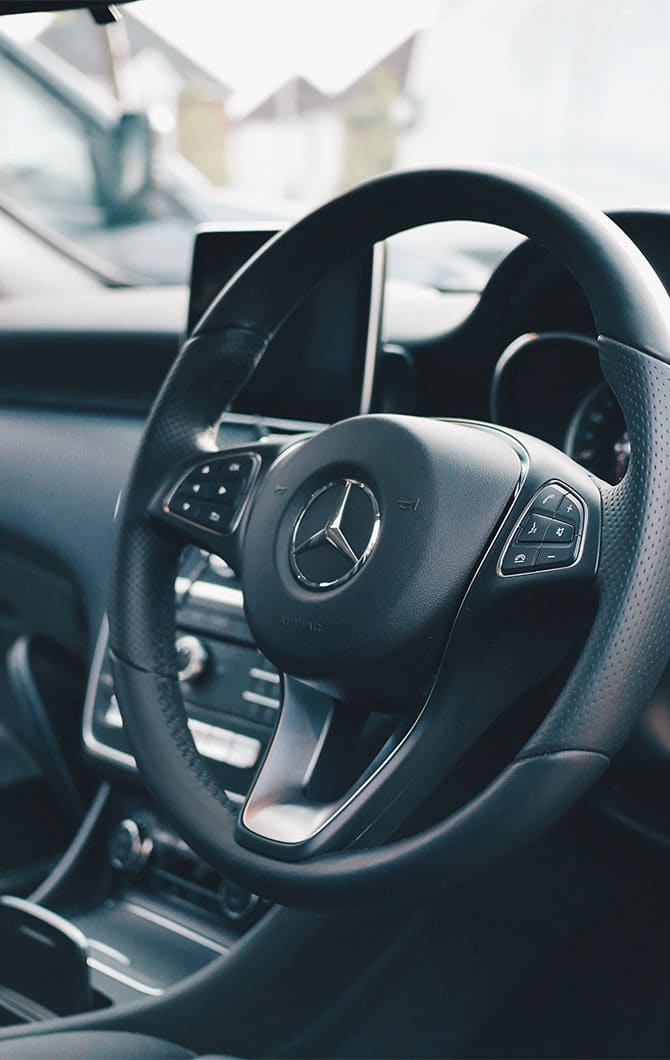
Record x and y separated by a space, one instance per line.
409 577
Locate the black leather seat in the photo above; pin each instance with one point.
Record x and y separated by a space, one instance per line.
92 1045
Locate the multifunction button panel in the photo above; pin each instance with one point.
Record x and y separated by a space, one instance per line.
549 533
213 495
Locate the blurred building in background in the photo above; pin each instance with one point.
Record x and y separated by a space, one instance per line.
296 133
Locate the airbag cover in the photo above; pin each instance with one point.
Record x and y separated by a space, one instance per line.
373 631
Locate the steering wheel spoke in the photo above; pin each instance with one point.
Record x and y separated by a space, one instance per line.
313 789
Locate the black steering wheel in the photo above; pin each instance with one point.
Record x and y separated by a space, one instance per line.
410 577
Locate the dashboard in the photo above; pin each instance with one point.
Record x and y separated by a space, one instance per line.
78 376
320 363
588 425
77 379
547 379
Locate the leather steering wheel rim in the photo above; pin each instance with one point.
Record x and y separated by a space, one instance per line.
626 648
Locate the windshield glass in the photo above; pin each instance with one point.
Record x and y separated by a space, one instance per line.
119 140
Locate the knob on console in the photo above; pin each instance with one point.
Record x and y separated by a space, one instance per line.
236 902
130 846
192 657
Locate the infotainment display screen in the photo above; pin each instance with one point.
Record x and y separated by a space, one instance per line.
319 366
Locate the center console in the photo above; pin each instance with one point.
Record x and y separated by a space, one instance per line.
164 898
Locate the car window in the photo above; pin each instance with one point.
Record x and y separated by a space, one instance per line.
45 157
281 106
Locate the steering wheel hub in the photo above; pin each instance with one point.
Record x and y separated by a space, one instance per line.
339 576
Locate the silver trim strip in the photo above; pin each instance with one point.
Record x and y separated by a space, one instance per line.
46 916
92 744
377 280
43 940
212 593
234 749
109 951
171 925
242 748
262 423
213 741
264 675
260 700
121 977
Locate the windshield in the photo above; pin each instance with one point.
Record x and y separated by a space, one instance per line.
120 140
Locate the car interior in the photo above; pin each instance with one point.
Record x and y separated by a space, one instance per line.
335 619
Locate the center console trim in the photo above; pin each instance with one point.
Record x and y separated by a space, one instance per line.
123 978
221 594
141 911
91 742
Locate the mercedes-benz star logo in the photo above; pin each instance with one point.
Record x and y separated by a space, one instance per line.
334 534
